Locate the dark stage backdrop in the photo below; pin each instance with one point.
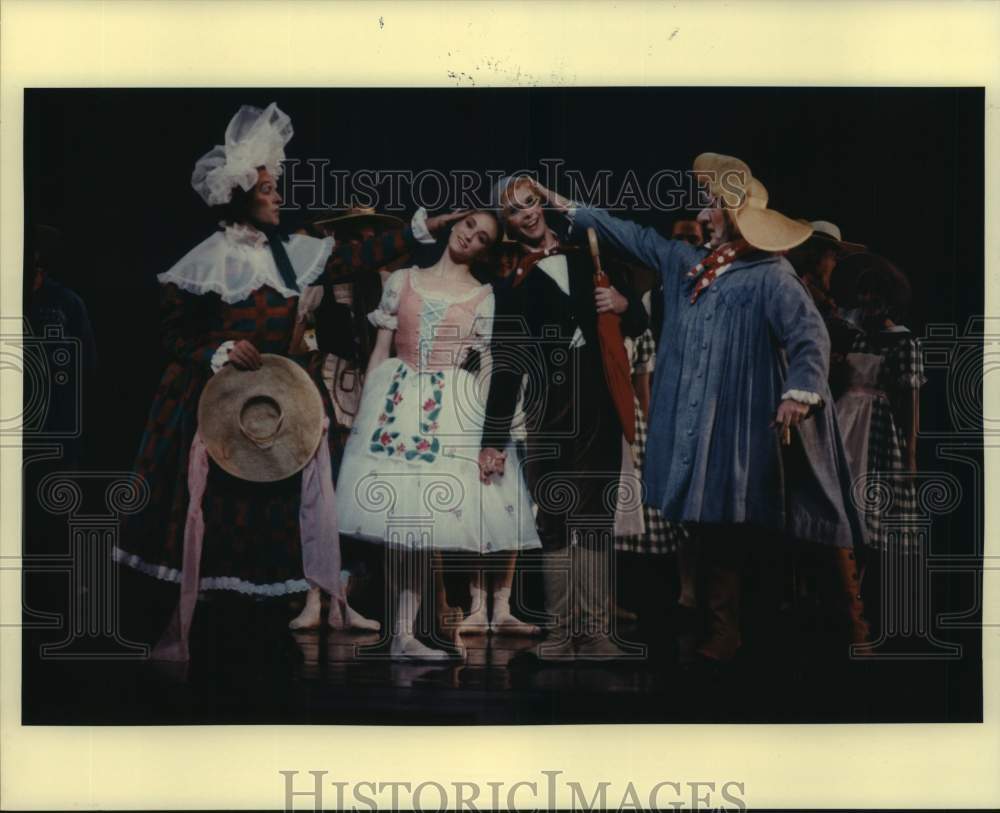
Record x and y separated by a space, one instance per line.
898 169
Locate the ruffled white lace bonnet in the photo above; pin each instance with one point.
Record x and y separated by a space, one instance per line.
254 138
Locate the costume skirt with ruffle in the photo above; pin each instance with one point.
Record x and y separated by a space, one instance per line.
410 474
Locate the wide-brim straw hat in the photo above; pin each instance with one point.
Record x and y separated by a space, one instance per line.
731 180
358 217
261 425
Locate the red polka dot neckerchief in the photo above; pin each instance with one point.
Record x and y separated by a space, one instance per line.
706 271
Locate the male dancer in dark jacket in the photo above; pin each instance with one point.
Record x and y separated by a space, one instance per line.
545 341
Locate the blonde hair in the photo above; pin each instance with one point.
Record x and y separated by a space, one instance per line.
507 195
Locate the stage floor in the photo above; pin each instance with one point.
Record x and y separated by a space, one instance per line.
246 667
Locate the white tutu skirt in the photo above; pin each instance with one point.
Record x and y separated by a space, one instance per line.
410 474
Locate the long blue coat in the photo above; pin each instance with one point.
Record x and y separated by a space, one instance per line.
722 367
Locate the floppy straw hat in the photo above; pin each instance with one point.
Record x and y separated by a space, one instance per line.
730 179
359 216
261 425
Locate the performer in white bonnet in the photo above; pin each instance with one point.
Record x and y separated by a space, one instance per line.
227 301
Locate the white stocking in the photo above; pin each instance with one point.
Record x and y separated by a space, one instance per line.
404 644
504 622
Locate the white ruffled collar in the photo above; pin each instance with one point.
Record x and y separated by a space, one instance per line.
243 234
236 261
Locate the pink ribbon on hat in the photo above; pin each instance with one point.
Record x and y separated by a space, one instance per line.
318 534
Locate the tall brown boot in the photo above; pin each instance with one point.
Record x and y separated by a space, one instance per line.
847 597
724 610
557 574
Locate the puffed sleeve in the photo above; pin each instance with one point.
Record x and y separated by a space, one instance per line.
384 315
906 363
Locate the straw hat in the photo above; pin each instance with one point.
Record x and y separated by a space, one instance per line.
261 425
359 216
730 179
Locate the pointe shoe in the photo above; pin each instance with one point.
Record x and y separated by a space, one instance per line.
508 624
504 622
408 648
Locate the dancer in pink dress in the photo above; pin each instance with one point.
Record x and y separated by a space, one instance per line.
410 476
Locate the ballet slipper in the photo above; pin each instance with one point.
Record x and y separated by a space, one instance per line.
504 622
476 622
408 648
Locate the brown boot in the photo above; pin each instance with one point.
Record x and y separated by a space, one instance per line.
724 611
847 596
558 578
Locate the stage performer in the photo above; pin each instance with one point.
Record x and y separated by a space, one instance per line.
547 331
227 301
879 411
747 363
410 478
656 536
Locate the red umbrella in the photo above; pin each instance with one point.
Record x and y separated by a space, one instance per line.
617 369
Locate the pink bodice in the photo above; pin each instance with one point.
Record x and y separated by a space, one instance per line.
435 328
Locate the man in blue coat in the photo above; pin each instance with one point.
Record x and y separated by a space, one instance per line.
744 361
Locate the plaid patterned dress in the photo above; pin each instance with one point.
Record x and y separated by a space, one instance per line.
251 542
878 368
660 536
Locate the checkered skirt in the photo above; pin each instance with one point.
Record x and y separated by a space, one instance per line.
660 536
887 497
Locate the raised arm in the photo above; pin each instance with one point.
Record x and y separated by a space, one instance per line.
643 243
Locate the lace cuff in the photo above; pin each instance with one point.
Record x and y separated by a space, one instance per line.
803 397
221 355
419 227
